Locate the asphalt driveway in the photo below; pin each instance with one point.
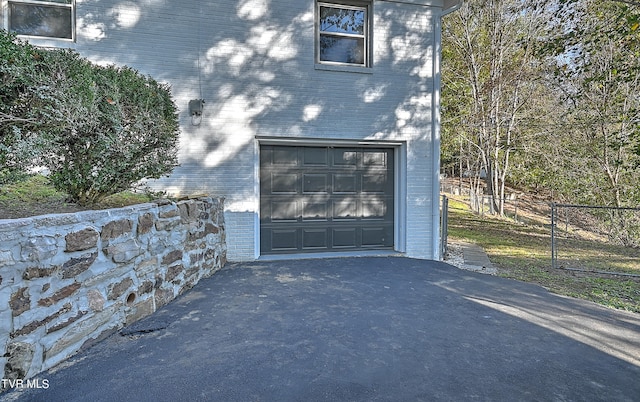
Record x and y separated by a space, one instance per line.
359 329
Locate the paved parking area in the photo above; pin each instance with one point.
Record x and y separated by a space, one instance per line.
359 329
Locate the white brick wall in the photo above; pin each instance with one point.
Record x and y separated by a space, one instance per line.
253 63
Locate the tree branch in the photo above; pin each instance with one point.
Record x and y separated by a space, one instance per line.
7 118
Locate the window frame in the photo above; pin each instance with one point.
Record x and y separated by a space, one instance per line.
71 6
367 36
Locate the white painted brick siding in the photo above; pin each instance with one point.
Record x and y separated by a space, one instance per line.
253 63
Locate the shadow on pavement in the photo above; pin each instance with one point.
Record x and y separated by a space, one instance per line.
359 329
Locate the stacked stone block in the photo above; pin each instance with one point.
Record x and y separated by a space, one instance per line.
67 281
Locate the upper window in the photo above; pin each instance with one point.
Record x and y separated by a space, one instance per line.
343 33
45 19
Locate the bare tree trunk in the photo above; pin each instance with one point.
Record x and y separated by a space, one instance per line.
490 40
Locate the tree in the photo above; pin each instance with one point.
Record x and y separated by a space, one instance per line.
594 54
492 74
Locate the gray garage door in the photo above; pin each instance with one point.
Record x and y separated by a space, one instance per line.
315 199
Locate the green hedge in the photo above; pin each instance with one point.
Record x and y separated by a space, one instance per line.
97 129
17 80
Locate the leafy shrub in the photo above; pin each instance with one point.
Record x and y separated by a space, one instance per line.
98 129
114 127
18 66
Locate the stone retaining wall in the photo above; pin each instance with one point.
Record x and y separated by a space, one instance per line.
69 280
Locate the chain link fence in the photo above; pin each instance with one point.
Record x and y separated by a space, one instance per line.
613 234
488 204
586 239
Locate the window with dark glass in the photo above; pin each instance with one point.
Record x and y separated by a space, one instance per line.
47 19
343 33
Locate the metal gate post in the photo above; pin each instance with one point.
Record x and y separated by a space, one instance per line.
444 226
553 236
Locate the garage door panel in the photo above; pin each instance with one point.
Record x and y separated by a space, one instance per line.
284 183
375 183
315 239
374 160
284 156
315 156
315 210
283 240
327 199
284 211
375 237
344 238
345 184
345 209
345 157
315 183
374 209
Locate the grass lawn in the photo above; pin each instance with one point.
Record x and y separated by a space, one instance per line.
523 252
35 196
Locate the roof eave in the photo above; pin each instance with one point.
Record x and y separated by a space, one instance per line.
449 6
